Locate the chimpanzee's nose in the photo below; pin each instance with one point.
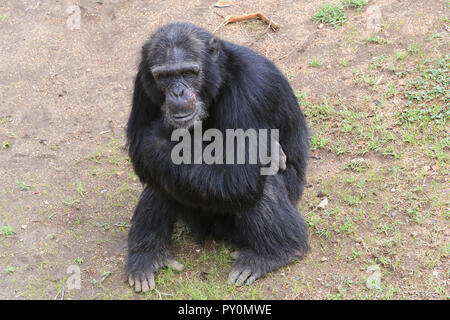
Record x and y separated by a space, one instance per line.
178 91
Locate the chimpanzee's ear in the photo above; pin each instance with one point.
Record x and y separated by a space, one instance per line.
214 45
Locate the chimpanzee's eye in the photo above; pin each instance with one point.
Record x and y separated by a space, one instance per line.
188 75
163 79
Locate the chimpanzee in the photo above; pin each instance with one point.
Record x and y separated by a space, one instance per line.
187 76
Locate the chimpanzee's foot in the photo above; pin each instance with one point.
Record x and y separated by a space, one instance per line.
142 277
250 266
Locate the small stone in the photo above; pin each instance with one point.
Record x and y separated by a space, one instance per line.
24 226
323 259
323 203
223 4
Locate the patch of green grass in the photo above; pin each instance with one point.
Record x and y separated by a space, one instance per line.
7 231
80 189
435 113
317 141
375 39
317 62
289 75
431 85
10 270
118 197
355 4
444 251
345 129
434 36
401 55
340 146
348 225
357 165
391 90
22 185
204 277
415 215
378 63
378 196
320 112
6 144
332 14
69 202
105 275
424 121
439 150
364 77
301 96
414 48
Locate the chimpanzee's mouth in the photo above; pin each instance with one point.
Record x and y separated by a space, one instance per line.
184 117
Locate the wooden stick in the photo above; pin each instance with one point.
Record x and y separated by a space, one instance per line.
252 16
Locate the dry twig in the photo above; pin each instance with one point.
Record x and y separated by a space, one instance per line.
251 16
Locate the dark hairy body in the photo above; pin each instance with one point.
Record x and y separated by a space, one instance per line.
188 75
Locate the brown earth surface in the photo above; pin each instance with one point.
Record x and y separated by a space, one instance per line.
68 191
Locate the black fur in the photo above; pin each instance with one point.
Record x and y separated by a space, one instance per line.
240 89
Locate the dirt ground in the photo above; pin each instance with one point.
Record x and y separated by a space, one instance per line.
68 191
